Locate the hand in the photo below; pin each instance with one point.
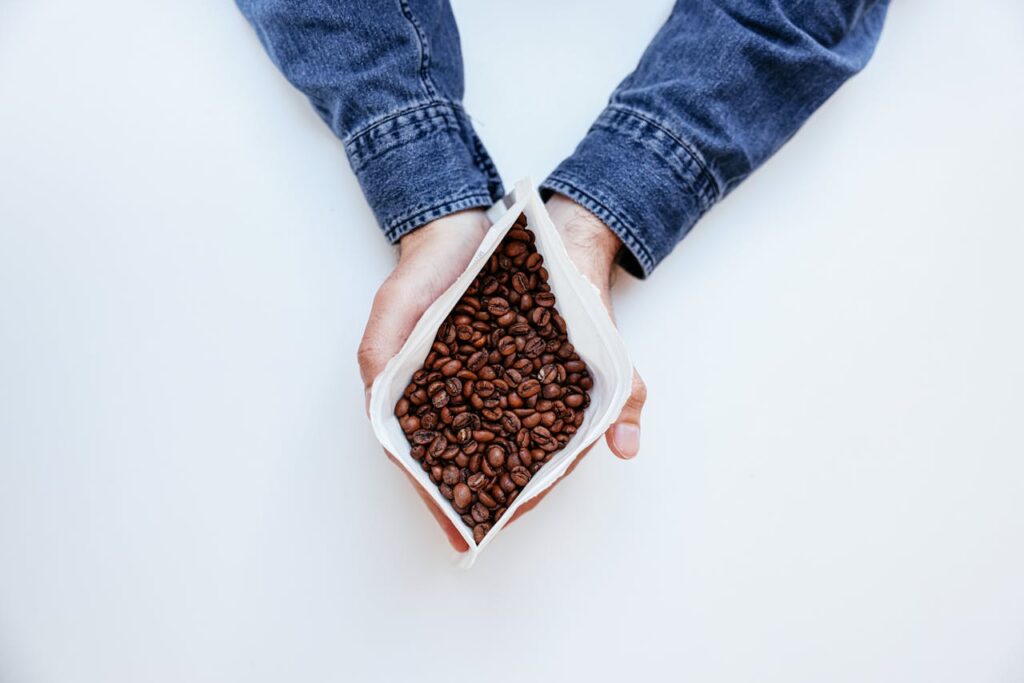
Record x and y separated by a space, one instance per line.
430 259
593 247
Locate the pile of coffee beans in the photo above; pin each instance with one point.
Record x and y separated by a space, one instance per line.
502 389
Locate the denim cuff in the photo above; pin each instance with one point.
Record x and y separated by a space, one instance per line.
642 180
420 164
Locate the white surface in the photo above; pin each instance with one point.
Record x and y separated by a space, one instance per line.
832 479
591 331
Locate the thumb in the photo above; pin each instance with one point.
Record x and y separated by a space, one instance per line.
624 436
392 316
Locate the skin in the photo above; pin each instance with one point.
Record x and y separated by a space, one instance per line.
433 256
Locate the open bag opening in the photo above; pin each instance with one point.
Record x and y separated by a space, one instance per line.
588 326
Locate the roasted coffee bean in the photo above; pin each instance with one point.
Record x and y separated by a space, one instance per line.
485 498
402 407
551 391
453 385
496 457
518 233
510 423
450 368
422 437
540 317
501 388
506 346
497 306
470 420
519 329
528 388
520 476
480 512
544 299
476 361
520 282
439 399
450 475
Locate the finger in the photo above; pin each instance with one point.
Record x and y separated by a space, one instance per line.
392 317
454 537
624 435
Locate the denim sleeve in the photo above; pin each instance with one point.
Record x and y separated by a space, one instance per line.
386 76
722 86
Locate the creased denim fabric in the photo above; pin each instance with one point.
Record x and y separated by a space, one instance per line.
720 88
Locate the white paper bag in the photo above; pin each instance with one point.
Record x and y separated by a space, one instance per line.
590 330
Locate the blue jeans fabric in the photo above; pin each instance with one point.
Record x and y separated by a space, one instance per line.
720 88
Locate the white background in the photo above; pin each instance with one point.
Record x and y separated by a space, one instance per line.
831 485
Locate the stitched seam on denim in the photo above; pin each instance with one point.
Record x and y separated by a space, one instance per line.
441 104
694 173
561 181
364 151
687 147
425 79
398 226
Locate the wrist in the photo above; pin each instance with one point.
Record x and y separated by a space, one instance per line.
461 230
582 231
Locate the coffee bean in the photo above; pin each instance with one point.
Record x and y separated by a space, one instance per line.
462 495
510 423
552 391
506 346
517 233
423 436
544 299
496 456
540 317
528 388
402 407
520 476
485 498
451 367
480 512
520 282
479 531
497 306
450 475
477 360
440 398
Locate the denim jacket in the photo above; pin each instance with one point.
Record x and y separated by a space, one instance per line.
723 84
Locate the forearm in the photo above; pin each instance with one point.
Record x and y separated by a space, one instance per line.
722 86
387 78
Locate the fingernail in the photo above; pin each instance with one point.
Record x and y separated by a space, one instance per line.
627 439
367 404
